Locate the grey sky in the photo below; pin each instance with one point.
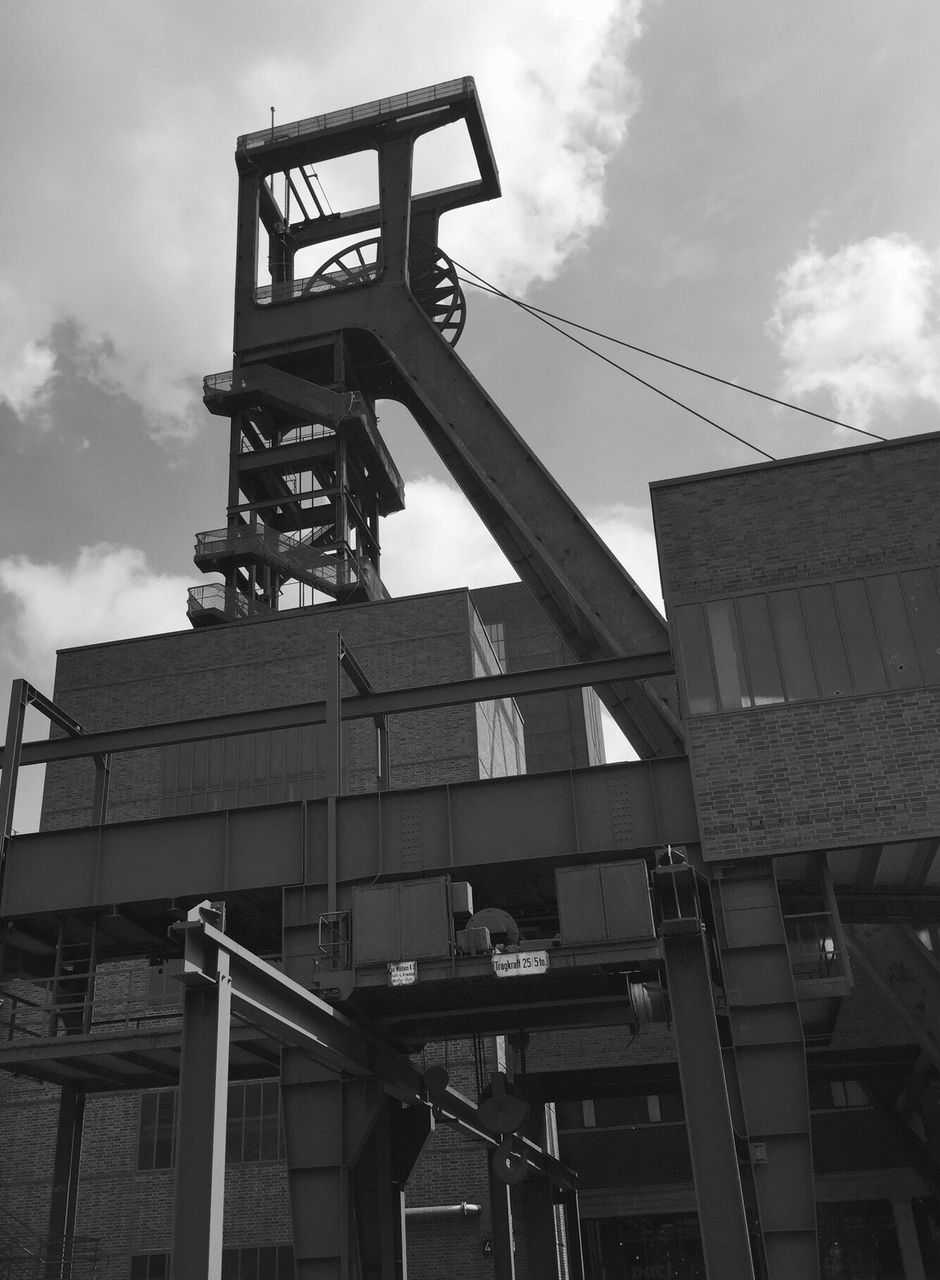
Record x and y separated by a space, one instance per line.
748 188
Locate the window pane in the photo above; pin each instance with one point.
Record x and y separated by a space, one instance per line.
726 649
861 643
894 632
230 1264
234 1127
166 1116
696 660
270 1120
155 1134
251 1141
825 637
150 1266
757 638
799 680
923 608
285 1262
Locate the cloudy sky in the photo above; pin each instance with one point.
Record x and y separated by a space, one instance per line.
748 188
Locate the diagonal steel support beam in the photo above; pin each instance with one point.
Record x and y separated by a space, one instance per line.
262 996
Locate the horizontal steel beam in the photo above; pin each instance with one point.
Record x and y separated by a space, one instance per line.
602 811
392 702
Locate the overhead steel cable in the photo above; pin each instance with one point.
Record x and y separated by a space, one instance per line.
613 363
547 316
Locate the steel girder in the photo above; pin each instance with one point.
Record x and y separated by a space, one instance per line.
769 1062
361 707
608 810
336 1117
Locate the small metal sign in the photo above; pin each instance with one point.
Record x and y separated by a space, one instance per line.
520 964
403 973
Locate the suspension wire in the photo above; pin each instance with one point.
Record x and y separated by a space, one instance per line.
540 313
315 175
613 363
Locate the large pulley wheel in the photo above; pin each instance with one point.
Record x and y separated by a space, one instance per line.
433 277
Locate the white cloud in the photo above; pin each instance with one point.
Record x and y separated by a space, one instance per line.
862 324
439 542
123 144
25 363
107 593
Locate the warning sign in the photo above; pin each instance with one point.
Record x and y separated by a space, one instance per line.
520 964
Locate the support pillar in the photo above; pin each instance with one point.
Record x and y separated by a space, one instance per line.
200 1130
911 1256
718 1193
573 1239
329 1120
68 1150
770 1056
538 1212
504 1257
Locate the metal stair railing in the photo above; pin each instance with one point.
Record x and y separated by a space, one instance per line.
26 1255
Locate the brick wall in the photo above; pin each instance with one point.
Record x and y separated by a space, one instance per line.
831 771
248 666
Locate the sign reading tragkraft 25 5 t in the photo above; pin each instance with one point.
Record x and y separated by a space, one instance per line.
520 964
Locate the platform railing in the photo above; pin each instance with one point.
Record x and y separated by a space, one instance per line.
340 568
119 1003
366 111
215 597
25 1255
811 942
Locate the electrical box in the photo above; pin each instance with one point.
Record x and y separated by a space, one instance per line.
604 902
406 920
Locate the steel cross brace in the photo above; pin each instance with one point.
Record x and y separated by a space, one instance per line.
22 696
264 997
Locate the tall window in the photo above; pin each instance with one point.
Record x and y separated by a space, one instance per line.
496 632
253 1130
155 1148
839 639
254 1122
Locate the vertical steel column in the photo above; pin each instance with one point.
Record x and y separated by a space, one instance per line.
13 744
380 1204
328 1120
573 1240
541 1229
912 1259
99 812
722 1217
395 163
333 743
68 1150
200 1131
504 1255
770 1055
